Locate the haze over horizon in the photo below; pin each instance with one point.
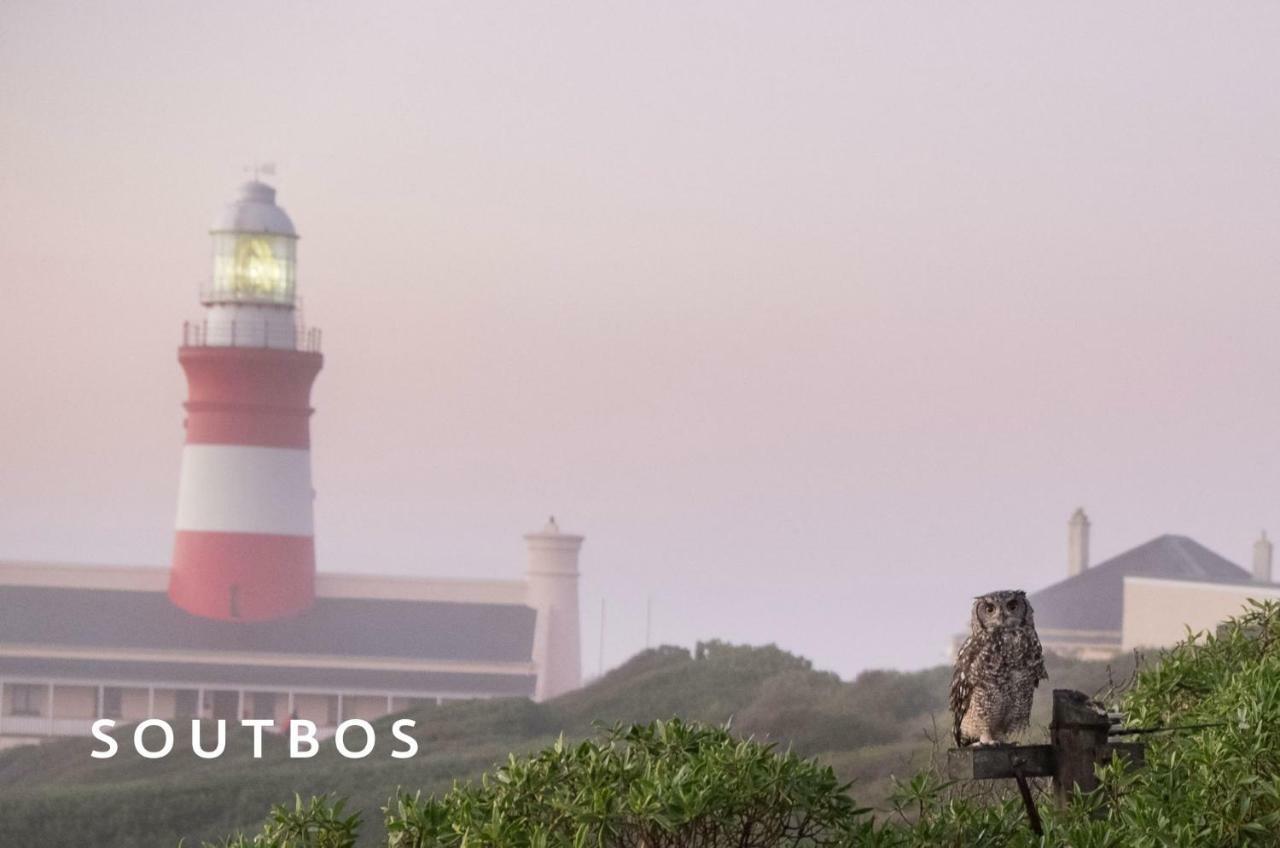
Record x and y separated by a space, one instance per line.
816 323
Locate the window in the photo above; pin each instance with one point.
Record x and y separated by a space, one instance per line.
184 703
27 699
253 267
111 701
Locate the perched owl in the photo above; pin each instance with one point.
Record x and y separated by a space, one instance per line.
998 669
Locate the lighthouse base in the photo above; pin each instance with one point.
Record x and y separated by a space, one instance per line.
242 576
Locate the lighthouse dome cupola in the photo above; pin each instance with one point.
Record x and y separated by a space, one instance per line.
254 251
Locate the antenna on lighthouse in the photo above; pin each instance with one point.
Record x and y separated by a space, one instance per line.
260 169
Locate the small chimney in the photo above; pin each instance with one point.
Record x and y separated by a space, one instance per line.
1262 559
1077 543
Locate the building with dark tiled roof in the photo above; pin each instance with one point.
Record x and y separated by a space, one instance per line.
1144 597
82 642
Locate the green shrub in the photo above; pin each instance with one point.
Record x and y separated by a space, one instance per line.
316 824
673 784
1214 783
660 784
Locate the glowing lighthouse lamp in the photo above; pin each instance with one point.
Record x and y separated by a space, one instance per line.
245 548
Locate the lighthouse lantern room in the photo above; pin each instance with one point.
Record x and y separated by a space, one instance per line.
244 548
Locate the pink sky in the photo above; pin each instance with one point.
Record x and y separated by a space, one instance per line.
817 320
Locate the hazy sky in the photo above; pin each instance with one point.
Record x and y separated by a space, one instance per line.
817 319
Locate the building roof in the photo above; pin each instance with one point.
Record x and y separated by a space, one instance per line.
127 672
355 627
1094 599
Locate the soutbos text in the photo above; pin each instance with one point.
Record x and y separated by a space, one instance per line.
354 738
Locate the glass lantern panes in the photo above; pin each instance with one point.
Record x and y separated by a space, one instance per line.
253 268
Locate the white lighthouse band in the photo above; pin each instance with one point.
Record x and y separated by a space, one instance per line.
245 489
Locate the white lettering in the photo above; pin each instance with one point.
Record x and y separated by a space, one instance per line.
112 747
143 750
369 738
257 724
301 730
196 725
412 744
303 743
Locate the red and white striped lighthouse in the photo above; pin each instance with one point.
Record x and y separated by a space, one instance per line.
245 546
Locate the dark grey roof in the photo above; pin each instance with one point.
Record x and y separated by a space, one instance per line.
357 627
268 677
1094 600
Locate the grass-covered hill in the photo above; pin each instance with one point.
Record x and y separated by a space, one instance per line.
874 726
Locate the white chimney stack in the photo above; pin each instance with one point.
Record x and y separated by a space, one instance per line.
1262 559
1077 543
552 582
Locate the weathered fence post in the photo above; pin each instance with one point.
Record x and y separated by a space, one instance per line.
1079 732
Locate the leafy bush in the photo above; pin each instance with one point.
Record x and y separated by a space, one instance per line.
1215 782
660 785
316 824
666 784
867 729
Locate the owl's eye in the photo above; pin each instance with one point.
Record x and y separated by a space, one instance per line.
1013 605
991 607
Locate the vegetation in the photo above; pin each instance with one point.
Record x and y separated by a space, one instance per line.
868 730
665 784
776 778
1212 780
1215 782
660 784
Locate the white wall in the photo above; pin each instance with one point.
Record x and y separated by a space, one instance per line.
1158 612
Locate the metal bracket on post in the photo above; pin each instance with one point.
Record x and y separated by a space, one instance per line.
1033 814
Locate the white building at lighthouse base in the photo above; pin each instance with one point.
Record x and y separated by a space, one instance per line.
82 642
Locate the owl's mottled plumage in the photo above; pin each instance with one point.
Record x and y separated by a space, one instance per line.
997 671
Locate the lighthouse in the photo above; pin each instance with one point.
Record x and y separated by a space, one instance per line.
244 548
240 624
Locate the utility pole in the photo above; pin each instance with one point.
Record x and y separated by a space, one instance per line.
600 660
648 622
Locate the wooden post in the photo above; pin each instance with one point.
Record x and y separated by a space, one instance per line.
1079 731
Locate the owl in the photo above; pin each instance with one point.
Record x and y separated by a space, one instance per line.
998 669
